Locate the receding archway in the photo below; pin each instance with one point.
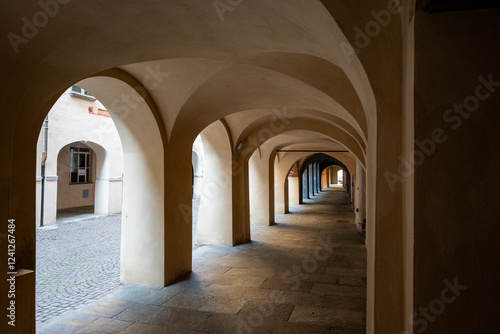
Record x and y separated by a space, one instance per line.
142 241
324 161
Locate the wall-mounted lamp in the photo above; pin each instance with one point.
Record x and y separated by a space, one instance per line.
240 146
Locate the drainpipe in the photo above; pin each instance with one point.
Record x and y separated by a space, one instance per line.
44 159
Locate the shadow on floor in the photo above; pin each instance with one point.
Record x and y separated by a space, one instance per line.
75 214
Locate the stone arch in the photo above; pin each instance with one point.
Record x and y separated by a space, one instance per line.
326 159
301 124
323 166
262 167
333 174
101 189
143 216
281 200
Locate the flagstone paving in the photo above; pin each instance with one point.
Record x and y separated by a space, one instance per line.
306 274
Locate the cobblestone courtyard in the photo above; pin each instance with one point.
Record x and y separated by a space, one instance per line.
77 262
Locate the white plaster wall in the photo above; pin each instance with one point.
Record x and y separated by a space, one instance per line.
258 175
279 187
293 190
198 156
70 122
115 196
215 215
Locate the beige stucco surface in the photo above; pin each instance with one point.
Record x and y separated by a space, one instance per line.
275 73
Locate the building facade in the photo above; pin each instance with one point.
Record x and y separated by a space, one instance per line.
84 158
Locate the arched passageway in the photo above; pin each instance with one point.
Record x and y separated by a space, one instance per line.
86 175
307 272
274 74
79 183
312 169
280 75
332 175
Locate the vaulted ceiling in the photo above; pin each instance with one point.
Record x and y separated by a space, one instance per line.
255 67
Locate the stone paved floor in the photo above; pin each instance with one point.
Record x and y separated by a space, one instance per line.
78 260
67 276
306 274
